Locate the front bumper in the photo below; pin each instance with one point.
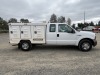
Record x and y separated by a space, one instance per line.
94 42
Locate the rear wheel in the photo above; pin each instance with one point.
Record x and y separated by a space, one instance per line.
25 45
85 45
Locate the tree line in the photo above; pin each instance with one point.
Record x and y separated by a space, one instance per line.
53 19
4 23
61 19
82 25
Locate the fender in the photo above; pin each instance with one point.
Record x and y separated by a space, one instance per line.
83 37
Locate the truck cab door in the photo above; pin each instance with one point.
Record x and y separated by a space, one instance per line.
65 35
51 34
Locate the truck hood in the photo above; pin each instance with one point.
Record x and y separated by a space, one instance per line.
86 33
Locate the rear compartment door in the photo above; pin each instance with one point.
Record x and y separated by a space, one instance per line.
25 32
39 34
14 32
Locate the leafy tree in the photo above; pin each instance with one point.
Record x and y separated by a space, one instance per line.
99 23
86 24
73 26
24 20
61 19
12 20
1 19
81 25
53 18
69 21
91 24
3 24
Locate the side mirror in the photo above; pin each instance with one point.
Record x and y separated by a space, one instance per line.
72 31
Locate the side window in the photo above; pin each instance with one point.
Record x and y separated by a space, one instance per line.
52 28
64 28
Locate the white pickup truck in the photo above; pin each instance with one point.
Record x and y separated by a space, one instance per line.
25 35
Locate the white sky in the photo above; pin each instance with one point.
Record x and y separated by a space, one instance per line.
41 10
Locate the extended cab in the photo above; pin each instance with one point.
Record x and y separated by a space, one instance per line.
25 35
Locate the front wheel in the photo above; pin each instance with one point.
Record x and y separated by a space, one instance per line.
85 45
25 45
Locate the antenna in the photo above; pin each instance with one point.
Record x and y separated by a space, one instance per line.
84 17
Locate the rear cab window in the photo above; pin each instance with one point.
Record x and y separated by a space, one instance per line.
52 28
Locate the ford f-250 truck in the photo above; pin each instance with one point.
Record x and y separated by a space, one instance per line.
25 35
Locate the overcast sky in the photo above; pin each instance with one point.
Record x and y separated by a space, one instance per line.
41 10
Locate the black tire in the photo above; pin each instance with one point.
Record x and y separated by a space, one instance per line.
33 46
25 45
85 45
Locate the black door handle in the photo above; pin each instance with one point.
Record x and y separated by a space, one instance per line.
11 32
57 35
35 32
22 32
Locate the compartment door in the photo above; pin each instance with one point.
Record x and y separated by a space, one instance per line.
39 34
25 32
14 32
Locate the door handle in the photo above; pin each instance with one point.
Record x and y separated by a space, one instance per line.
21 32
11 32
57 35
35 32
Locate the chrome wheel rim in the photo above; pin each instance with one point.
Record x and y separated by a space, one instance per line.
86 46
25 46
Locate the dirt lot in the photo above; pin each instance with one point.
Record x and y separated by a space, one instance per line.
48 60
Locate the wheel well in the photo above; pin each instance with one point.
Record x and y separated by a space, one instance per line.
25 40
87 39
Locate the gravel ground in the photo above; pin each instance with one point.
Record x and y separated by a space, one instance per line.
48 60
